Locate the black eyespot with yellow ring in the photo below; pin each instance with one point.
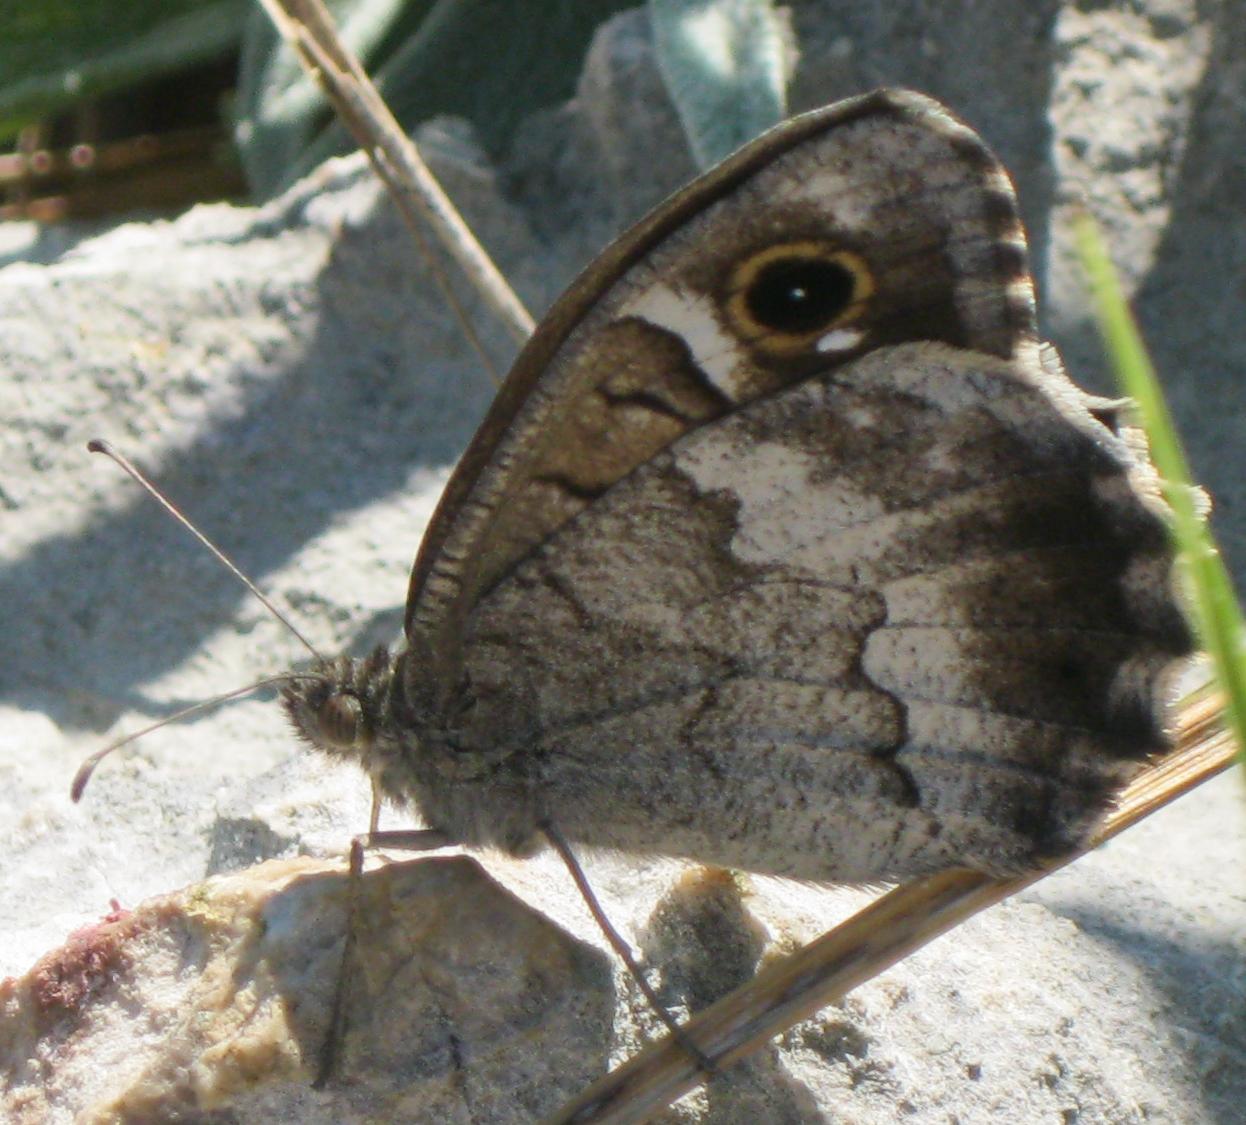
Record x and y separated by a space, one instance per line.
785 298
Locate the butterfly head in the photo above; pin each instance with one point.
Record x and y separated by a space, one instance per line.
339 706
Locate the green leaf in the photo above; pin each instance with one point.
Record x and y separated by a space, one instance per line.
725 66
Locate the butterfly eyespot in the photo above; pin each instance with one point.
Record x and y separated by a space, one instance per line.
792 298
340 718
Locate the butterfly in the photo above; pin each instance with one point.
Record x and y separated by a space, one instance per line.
787 545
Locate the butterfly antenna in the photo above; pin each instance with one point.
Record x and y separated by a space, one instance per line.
88 767
98 445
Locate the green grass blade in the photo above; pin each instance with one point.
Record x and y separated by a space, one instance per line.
1217 614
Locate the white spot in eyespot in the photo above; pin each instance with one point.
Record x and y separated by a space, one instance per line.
693 317
840 340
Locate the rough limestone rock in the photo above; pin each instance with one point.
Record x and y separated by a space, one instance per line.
234 979
290 378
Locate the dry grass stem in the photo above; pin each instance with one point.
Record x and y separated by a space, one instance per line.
309 29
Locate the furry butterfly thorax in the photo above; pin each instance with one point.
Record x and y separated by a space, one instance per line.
786 545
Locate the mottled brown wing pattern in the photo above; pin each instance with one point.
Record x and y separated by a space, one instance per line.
786 546
904 615
656 339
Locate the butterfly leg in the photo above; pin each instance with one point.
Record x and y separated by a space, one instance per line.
413 840
560 845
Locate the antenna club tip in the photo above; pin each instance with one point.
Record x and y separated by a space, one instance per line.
97 445
78 787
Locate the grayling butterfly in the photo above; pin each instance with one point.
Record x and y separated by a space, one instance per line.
786 545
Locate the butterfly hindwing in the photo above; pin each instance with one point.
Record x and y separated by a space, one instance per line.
816 636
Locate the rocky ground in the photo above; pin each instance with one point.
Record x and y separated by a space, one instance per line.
289 378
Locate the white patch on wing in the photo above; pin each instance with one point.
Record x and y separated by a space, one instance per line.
787 503
694 318
832 191
929 664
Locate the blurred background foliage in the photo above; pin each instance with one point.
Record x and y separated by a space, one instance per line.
185 99
131 105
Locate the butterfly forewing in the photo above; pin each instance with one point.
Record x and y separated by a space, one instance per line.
668 330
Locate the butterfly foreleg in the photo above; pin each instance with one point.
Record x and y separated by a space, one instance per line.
412 840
